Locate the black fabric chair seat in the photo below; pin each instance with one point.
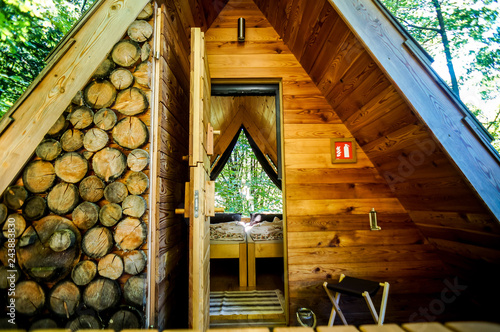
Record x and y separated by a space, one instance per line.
355 287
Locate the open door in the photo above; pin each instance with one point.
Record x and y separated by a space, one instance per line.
201 190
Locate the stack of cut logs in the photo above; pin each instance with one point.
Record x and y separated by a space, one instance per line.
79 208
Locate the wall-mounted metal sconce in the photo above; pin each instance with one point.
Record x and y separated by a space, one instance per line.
373 220
241 29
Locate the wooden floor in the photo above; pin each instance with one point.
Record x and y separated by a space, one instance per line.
224 277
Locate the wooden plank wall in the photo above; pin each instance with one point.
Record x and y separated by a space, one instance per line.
426 182
173 172
327 205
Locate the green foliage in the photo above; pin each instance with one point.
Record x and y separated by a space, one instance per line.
29 30
473 31
243 186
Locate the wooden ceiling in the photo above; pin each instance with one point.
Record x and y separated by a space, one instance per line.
256 113
410 128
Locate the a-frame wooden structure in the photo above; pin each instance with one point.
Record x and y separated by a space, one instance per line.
347 70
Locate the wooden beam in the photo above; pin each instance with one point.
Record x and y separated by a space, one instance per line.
48 100
153 272
433 104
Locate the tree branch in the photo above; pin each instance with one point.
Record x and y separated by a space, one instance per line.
417 26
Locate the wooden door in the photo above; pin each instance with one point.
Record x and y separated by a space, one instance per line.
201 190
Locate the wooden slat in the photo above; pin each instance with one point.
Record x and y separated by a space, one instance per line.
473 326
349 328
293 329
382 328
425 327
393 253
353 238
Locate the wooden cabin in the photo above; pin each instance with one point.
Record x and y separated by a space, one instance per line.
95 158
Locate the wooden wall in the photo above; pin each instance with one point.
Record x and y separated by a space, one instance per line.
403 150
173 171
327 204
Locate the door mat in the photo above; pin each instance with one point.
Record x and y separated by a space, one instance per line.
246 303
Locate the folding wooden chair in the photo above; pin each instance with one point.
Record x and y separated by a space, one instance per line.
358 288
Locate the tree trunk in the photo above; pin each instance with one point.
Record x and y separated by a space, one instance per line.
134 206
62 240
131 101
28 237
6 272
14 197
145 52
14 222
84 322
124 319
146 13
140 31
121 78
58 127
48 149
95 139
99 94
130 234
97 242
64 298
71 167
81 117
115 192
105 119
142 74
78 99
104 69
130 133
109 163
85 215
134 261
72 140
30 298
38 260
126 53
35 208
137 160
3 212
101 294
84 272
110 266
91 188
446 45
110 214
134 290
44 324
137 183
39 176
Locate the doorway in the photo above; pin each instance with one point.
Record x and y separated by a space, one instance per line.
246 168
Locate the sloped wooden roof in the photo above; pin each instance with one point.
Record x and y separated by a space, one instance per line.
390 100
256 113
358 40
358 69
416 133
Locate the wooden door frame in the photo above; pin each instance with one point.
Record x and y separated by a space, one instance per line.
281 162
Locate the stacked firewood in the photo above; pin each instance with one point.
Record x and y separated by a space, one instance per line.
79 208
